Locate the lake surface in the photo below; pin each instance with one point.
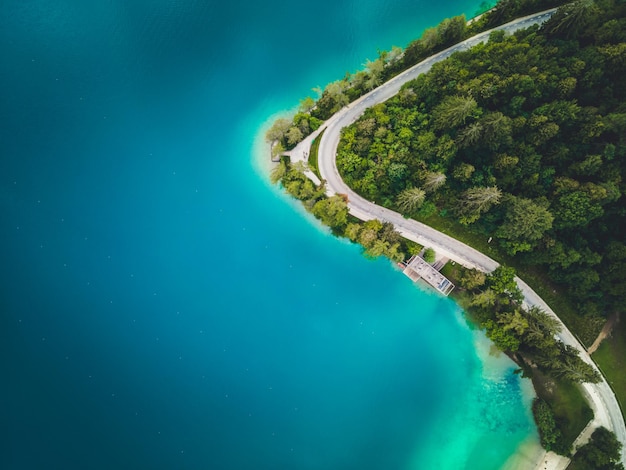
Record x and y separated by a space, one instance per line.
162 306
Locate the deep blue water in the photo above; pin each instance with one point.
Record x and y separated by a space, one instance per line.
160 305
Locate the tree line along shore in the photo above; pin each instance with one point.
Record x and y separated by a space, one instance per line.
518 148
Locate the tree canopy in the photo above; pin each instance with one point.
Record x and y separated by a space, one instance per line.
602 452
521 138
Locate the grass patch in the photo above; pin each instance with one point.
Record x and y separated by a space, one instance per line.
313 155
452 228
453 271
571 411
611 357
586 328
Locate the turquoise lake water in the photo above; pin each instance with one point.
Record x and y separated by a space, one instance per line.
161 305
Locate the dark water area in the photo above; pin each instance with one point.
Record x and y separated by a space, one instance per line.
161 305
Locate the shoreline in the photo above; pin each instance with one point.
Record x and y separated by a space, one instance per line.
529 455
599 396
261 154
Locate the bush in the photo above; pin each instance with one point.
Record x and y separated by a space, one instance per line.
429 255
549 435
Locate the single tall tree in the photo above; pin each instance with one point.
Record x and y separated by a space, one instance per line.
454 111
411 199
524 224
433 180
475 201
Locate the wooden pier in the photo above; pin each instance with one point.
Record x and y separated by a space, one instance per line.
416 268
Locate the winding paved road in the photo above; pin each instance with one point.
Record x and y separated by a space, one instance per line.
601 397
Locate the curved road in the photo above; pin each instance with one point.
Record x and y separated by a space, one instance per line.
601 397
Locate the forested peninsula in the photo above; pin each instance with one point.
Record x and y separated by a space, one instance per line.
517 147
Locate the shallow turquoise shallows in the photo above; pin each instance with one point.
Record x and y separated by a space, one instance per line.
161 305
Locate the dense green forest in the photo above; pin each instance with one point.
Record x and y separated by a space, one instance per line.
287 133
522 139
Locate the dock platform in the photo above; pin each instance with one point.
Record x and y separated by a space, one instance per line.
416 268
